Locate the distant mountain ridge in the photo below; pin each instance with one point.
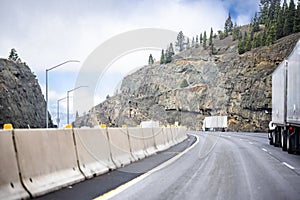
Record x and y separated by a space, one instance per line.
196 84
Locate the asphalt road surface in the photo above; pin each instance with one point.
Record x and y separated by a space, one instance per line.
224 166
216 166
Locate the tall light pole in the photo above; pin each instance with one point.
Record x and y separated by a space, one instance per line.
68 101
47 86
58 119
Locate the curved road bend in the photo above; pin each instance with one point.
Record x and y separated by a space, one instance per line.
223 166
96 186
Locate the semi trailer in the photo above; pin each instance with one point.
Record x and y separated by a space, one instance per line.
215 123
286 103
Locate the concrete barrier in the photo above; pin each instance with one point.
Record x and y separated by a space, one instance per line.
119 146
137 144
166 136
171 141
150 147
179 134
10 183
182 134
160 138
175 134
47 159
93 151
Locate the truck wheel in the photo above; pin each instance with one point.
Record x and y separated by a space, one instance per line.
283 140
279 138
275 139
270 137
289 144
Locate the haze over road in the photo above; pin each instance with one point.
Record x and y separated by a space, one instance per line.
224 166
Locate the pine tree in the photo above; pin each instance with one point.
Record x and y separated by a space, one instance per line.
229 22
204 40
279 21
247 41
171 49
240 35
212 49
197 42
235 32
201 38
162 57
289 21
241 45
264 6
211 37
221 35
13 56
271 10
255 24
257 40
228 25
180 41
271 36
284 12
296 27
150 60
168 57
264 39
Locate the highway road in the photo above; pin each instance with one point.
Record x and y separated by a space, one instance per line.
217 166
224 166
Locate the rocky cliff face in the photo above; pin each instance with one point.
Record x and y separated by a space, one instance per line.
21 101
198 84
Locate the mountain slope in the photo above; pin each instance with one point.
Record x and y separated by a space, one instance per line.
21 101
198 84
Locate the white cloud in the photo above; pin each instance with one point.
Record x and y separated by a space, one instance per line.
46 37
46 33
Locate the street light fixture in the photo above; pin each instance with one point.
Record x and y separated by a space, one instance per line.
47 86
68 100
58 119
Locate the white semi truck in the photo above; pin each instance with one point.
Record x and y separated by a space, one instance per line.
215 123
286 103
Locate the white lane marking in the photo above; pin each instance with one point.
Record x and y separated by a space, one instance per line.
264 149
125 186
289 166
250 143
241 139
228 136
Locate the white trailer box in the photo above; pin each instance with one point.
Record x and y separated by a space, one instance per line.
150 124
214 123
293 87
286 103
278 91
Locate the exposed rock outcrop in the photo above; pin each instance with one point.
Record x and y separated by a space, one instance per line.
21 101
198 84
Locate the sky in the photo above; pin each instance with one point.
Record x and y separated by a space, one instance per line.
47 33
